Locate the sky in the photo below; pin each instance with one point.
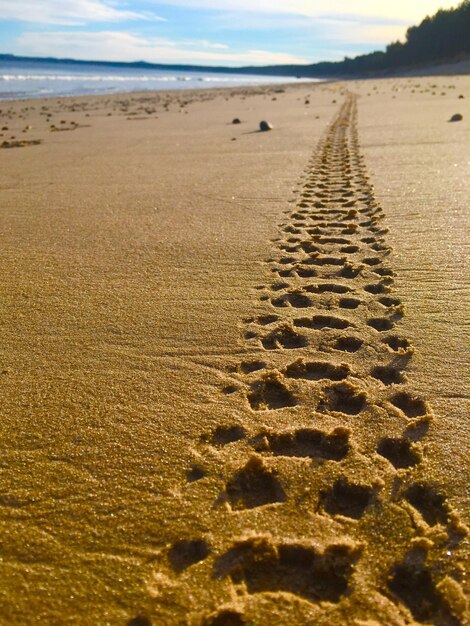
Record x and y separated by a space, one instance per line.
207 32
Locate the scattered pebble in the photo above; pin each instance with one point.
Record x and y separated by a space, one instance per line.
264 125
236 120
457 117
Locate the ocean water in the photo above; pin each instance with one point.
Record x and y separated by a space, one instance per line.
42 79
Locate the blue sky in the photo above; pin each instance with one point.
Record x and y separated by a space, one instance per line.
207 32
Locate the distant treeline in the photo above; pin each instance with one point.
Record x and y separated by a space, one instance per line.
443 37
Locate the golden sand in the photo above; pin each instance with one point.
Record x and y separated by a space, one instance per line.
215 410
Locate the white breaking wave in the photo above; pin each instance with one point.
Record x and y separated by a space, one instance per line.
25 81
116 78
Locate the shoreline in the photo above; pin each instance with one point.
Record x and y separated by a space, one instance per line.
269 86
458 68
68 82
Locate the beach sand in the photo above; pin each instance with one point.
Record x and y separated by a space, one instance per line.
235 381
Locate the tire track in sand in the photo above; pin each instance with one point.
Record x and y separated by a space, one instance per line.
333 433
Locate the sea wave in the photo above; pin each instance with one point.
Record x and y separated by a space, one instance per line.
117 78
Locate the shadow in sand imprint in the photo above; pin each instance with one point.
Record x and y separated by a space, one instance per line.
348 344
305 442
317 370
345 398
429 502
187 552
254 485
296 568
318 322
270 393
412 583
225 434
399 452
347 499
410 405
284 337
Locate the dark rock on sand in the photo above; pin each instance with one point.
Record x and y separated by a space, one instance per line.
457 117
264 125
236 120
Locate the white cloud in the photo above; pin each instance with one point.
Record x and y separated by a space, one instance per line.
67 12
313 32
359 32
79 11
406 10
207 44
122 46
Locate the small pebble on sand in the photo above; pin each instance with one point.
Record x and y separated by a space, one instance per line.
457 117
264 125
236 120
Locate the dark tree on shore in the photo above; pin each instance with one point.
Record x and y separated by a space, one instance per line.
443 37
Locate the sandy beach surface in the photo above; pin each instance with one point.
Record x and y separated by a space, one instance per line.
235 370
